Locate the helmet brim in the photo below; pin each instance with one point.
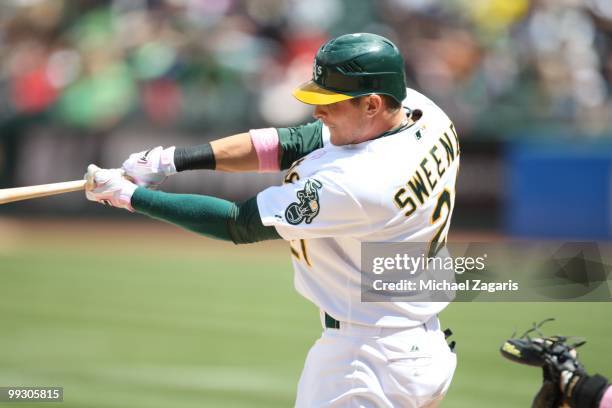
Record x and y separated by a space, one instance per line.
312 94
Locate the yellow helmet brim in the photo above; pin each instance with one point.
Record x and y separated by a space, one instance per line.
312 94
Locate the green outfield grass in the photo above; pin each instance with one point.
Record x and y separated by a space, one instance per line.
158 318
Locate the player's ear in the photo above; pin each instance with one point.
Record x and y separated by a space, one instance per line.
373 105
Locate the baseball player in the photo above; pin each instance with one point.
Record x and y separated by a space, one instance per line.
379 163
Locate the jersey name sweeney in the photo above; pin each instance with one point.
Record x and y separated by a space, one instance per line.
431 168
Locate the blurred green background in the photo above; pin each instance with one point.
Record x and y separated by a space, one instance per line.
141 314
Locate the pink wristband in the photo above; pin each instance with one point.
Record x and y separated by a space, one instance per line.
265 142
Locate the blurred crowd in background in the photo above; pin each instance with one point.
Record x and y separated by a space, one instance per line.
494 65
85 81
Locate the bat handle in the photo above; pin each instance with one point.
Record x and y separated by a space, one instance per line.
9 195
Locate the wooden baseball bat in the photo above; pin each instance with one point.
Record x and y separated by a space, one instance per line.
8 195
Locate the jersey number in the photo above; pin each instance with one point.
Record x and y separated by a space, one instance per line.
438 241
300 253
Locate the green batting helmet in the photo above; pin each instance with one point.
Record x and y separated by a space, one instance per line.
354 65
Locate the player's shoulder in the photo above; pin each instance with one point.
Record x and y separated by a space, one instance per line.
337 163
350 172
338 159
355 169
431 114
414 97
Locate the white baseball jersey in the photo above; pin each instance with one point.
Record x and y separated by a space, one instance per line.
395 188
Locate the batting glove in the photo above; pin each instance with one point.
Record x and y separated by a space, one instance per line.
109 187
150 168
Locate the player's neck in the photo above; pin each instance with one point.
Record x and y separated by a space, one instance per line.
387 123
398 119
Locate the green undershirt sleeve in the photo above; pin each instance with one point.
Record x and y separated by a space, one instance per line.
209 216
297 142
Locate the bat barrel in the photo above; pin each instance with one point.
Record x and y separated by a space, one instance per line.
9 195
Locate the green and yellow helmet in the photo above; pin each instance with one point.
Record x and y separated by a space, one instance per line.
354 65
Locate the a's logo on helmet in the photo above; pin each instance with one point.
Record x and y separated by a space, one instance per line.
317 70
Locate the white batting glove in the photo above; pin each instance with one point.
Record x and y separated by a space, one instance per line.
109 187
150 168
